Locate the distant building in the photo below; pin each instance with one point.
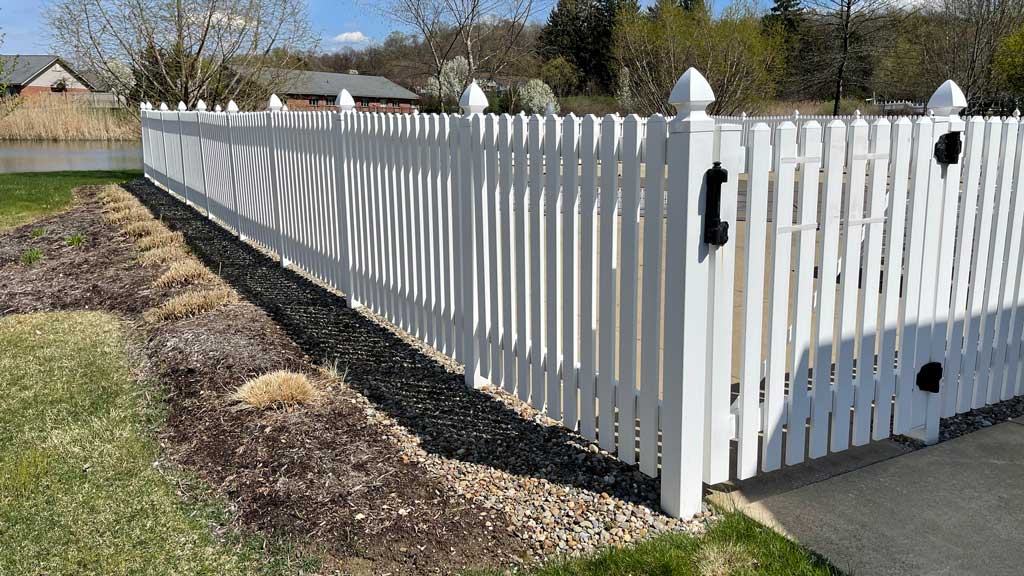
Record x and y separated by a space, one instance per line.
306 90
27 74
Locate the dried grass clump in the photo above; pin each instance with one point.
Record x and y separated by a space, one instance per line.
185 273
163 255
189 304
276 388
112 193
160 240
123 216
144 228
723 559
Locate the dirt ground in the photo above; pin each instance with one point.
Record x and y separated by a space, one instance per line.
327 475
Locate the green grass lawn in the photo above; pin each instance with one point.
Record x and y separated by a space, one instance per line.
28 195
733 546
82 487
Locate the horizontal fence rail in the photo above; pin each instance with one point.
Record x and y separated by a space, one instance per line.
568 261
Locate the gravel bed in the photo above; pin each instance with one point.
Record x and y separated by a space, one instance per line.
523 473
972 421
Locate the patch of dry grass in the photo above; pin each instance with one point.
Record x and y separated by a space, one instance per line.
189 304
163 255
160 240
144 228
276 388
723 559
124 216
185 273
112 194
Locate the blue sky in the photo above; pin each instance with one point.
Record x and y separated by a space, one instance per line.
340 22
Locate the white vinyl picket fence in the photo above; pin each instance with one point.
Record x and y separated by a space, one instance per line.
564 260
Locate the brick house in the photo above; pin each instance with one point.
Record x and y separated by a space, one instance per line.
28 74
306 90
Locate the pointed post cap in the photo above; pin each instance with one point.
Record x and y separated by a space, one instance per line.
284 108
163 107
550 108
796 114
181 106
275 103
201 106
473 100
948 100
232 107
142 105
149 105
344 101
691 95
1016 113
217 108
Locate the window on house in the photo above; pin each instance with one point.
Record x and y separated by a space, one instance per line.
314 101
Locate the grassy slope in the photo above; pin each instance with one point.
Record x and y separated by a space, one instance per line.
82 489
26 196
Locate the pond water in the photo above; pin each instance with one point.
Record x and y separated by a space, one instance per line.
36 156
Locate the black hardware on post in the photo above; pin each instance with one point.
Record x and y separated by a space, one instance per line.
929 376
948 148
716 232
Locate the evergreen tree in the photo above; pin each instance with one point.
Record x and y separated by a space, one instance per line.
787 15
581 31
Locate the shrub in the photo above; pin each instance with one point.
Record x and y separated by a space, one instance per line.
276 388
189 304
31 256
184 273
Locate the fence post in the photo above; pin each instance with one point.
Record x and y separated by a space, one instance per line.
163 145
274 107
201 107
145 149
346 108
473 102
233 109
181 152
690 149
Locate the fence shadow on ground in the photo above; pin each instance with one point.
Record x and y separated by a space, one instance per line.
419 393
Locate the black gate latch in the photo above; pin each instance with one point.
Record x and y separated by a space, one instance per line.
948 148
716 232
929 377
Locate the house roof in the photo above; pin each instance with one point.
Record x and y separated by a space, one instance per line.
306 82
20 69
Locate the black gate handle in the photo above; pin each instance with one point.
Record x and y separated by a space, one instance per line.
716 232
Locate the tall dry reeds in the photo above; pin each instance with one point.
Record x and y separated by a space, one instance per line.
63 117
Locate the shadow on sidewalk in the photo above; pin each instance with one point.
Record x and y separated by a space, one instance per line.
420 394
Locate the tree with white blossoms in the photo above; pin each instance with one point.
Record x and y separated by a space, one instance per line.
624 92
454 78
536 95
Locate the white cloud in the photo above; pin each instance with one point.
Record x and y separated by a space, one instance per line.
356 37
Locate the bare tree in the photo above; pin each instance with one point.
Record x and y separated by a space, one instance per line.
487 33
845 34
958 40
183 49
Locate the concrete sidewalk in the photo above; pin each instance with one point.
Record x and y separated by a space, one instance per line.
956 508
